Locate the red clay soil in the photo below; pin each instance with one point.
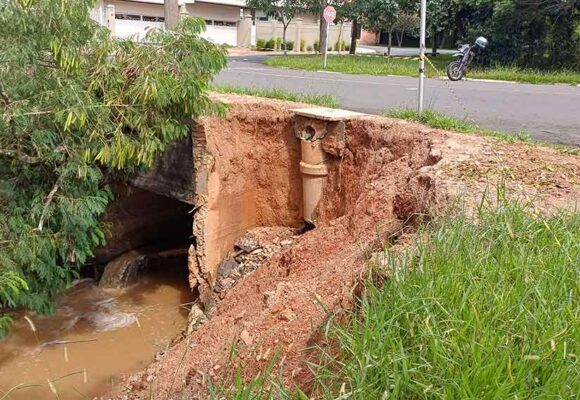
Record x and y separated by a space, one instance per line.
244 178
389 172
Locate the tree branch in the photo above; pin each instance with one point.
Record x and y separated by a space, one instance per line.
25 158
46 204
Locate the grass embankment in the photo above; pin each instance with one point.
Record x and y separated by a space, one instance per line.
475 309
438 120
323 100
379 65
479 308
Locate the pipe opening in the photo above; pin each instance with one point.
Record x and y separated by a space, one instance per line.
309 132
149 232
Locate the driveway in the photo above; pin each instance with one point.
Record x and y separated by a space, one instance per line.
549 113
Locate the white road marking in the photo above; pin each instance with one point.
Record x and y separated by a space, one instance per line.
488 80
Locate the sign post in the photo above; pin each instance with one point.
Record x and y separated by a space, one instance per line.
329 16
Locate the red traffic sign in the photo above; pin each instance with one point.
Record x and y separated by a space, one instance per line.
329 14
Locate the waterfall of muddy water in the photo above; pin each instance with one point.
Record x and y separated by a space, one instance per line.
117 332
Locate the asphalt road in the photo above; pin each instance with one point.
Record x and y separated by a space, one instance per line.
549 113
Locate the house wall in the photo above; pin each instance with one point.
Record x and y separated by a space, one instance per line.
309 18
130 7
222 20
225 22
98 12
369 38
203 10
214 12
297 30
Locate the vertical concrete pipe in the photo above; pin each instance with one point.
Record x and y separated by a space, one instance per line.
315 127
314 172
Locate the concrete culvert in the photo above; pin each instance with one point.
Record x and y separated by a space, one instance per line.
145 227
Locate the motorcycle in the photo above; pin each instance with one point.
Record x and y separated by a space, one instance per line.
466 53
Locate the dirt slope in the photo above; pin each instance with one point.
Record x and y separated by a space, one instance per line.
390 172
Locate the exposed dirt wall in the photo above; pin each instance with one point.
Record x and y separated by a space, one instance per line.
246 177
386 175
278 307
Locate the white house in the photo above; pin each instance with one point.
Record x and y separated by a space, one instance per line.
132 18
228 21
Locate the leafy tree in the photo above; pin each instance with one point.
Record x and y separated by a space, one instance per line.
405 24
344 13
382 15
79 110
528 33
283 11
523 32
440 19
354 11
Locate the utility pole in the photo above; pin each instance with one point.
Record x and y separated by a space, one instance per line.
171 8
422 56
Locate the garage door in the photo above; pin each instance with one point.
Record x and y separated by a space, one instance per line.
136 26
222 32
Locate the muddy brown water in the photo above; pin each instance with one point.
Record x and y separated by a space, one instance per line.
117 332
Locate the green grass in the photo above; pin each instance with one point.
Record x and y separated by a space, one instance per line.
323 100
479 310
379 65
515 74
368 65
438 120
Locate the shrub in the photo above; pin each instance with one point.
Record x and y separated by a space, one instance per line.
340 45
289 46
261 44
271 44
278 43
316 45
108 108
302 45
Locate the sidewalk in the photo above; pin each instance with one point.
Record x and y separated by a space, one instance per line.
238 51
403 51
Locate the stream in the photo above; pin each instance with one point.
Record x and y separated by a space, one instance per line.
96 337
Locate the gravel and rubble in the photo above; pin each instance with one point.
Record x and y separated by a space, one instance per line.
249 253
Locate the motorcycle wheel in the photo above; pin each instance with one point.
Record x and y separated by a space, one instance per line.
454 71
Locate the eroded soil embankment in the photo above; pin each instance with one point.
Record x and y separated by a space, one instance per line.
246 176
388 173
